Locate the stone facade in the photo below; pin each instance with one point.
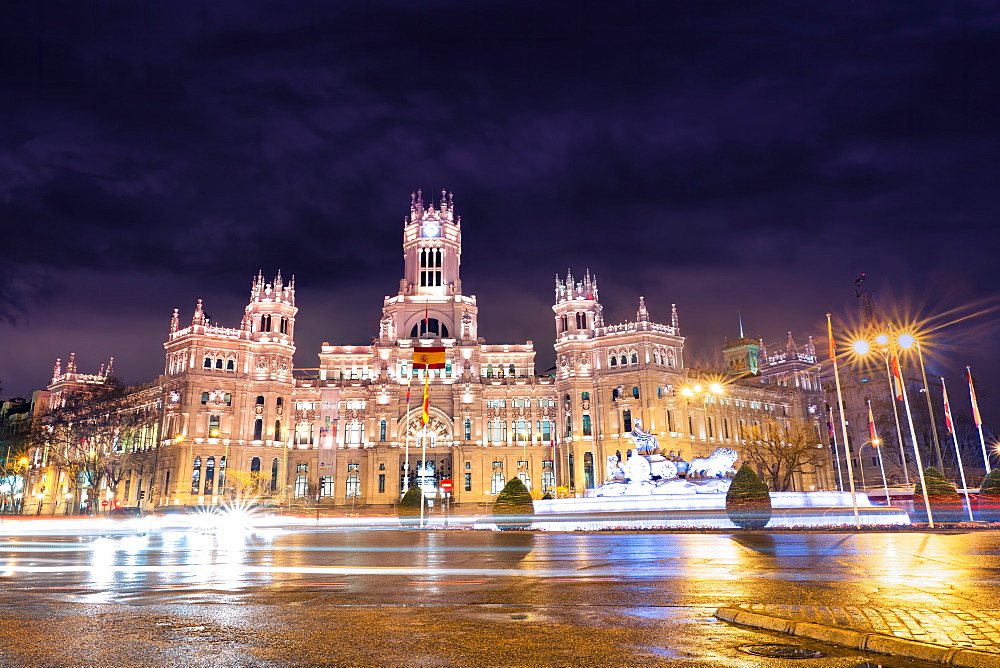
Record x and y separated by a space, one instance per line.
350 430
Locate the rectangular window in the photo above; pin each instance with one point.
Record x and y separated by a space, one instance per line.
468 482
586 426
497 466
626 421
548 482
468 429
381 483
497 483
353 487
354 467
326 486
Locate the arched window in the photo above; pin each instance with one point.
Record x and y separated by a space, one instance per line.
430 326
623 360
284 325
586 425
277 431
635 392
260 400
274 474
255 465
208 363
258 429
230 365
614 361
635 358
615 394
588 469
512 371
196 476
204 397
265 323
209 475
279 402
218 363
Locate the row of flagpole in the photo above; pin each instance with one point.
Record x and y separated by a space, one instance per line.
899 394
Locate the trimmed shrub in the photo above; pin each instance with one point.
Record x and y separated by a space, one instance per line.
938 488
991 484
409 506
946 504
748 503
513 508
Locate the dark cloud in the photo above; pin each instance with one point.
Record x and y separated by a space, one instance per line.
714 155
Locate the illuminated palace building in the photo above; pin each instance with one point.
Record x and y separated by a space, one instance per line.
235 412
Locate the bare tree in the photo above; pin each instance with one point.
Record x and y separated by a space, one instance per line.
779 450
92 432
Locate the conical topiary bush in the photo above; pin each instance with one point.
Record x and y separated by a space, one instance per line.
991 484
748 503
513 508
409 507
989 497
946 505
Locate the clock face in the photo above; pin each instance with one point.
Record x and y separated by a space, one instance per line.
430 229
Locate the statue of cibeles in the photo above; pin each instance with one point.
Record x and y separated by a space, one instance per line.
645 442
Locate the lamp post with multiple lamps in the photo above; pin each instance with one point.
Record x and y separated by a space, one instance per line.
891 347
861 348
689 392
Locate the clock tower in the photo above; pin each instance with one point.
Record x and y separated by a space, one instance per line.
430 303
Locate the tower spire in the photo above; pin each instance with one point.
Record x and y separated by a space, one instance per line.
790 347
642 315
673 316
71 364
739 315
57 370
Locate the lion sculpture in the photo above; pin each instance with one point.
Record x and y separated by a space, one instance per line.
717 465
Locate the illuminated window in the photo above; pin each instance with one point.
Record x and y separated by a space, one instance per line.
222 474
498 483
468 482
213 425
354 467
586 426
326 486
353 487
429 326
209 475
548 482
196 476
228 398
468 429
588 469
277 431
523 431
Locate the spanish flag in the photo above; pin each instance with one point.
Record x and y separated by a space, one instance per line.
428 358
425 404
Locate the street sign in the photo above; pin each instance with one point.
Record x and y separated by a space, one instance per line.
104 502
446 485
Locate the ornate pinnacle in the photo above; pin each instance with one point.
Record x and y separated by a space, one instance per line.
642 315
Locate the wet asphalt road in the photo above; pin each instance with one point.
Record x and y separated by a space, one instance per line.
352 596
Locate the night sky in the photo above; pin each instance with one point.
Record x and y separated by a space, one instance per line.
752 157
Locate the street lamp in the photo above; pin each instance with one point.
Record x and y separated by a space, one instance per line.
712 389
891 349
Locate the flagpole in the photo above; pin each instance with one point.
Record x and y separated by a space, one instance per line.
899 430
423 441
836 452
406 434
875 439
843 422
913 436
930 409
951 428
977 418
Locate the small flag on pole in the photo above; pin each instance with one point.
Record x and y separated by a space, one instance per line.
976 417
873 435
897 379
428 357
947 409
424 411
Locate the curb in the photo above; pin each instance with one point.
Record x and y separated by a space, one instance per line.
870 642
